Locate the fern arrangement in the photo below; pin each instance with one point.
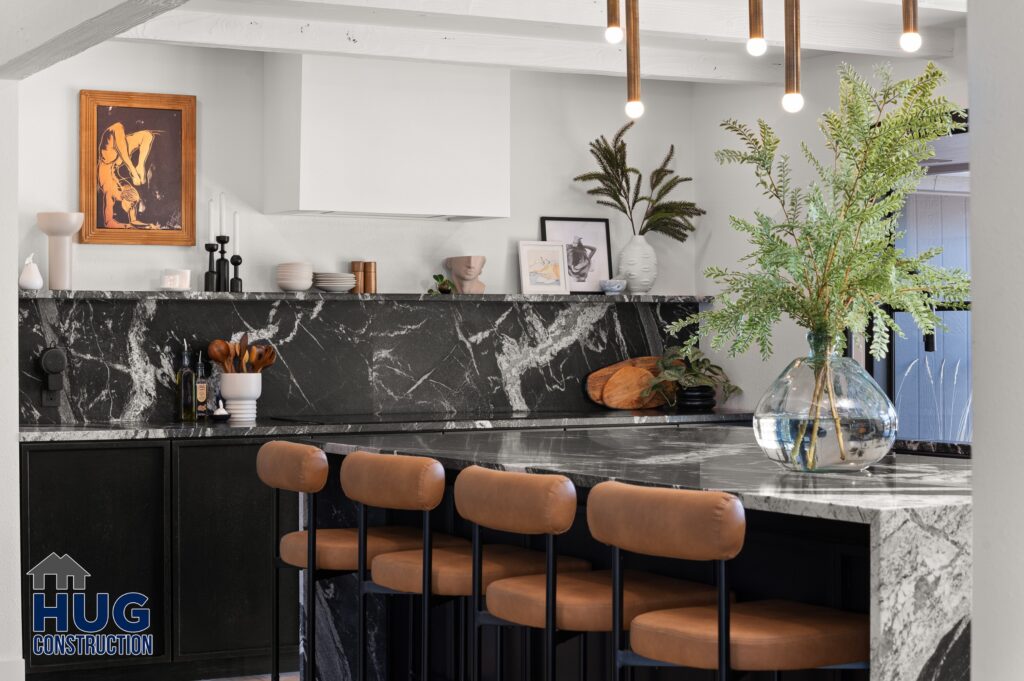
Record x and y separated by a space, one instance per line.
619 186
829 261
828 258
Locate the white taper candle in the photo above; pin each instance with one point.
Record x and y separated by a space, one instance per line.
223 215
213 222
235 235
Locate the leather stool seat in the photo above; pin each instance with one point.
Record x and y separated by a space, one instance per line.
338 549
584 599
452 567
765 636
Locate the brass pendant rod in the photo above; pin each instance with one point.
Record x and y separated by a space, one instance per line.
633 50
613 14
792 22
756 19
909 16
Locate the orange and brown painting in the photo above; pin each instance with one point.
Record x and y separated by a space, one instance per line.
138 168
137 171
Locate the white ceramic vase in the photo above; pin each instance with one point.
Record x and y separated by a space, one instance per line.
638 264
59 227
240 392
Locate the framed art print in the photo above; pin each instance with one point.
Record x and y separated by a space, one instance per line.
587 250
137 168
542 267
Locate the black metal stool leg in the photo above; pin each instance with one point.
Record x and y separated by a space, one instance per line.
361 593
425 591
499 657
311 589
275 629
583 656
549 615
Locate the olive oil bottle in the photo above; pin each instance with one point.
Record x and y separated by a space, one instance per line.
186 380
202 388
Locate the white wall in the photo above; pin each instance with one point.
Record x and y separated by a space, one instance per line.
553 118
11 665
731 190
997 248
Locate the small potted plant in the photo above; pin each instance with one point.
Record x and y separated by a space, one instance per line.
442 286
689 381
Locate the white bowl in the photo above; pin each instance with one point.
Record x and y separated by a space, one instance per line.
294 285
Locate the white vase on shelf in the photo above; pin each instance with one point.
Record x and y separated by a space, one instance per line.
638 264
59 227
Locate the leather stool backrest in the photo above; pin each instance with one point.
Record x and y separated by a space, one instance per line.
407 483
523 503
671 523
292 466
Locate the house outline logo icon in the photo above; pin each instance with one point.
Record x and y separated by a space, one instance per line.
67 572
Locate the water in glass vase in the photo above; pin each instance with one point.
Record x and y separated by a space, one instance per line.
825 413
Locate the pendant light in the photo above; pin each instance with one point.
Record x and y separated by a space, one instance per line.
634 107
910 41
613 33
756 44
792 101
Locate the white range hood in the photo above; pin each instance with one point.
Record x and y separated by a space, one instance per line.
381 138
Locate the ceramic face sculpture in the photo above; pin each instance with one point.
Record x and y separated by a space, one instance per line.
465 272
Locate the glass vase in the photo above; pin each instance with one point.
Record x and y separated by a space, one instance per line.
825 413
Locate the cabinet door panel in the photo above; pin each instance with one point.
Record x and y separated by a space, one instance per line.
223 553
106 505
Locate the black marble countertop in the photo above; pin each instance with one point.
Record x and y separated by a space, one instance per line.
307 425
315 295
694 457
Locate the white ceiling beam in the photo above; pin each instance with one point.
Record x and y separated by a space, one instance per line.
830 26
285 34
35 34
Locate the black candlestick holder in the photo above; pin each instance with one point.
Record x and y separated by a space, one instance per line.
210 280
236 281
223 283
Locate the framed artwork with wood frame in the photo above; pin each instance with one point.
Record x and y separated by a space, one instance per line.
137 168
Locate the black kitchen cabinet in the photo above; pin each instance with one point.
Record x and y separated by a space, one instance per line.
223 552
107 507
188 524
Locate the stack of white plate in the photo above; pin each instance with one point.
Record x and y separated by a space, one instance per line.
334 282
294 276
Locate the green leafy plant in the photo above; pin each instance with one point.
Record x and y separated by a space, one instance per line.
619 186
687 367
442 286
828 260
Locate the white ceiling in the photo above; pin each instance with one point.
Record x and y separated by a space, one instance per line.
695 40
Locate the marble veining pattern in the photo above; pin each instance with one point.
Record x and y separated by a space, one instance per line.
344 355
918 509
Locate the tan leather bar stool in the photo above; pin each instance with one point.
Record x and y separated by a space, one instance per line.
750 636
295 468
584 602
521 503
395 482
500 501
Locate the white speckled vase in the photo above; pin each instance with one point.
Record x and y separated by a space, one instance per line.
638 264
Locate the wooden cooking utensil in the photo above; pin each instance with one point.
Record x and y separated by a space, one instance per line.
233 356
625 388
256 353
219 351
243 352
269 357
597 380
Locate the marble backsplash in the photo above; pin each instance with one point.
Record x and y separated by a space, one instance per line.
337 354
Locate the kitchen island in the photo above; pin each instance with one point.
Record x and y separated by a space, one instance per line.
914 513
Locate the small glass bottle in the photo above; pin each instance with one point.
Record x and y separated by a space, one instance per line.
186 380
202 388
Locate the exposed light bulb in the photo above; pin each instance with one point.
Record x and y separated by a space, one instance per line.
757 46
792 102
910 41
613 34
635 109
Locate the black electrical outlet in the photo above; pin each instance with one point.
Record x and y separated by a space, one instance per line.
53 361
